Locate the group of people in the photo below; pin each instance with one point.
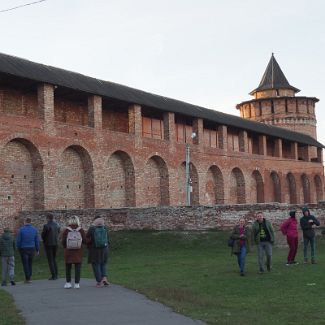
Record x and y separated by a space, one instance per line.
72 238
262 234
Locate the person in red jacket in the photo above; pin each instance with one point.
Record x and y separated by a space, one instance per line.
289 228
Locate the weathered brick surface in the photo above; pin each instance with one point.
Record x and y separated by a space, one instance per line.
295 114
221 217
62 149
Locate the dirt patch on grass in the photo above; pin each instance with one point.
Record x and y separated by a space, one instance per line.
184 295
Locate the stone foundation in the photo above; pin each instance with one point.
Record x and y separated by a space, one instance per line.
222 217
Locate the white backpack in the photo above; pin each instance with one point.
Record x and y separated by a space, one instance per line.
74 238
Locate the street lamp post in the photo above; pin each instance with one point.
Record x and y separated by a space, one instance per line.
188 178
188 181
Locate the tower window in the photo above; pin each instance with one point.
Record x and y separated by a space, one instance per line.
272 107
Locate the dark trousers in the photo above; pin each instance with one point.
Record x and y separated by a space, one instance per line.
293 247
51 258
27 255
77 271
99 271
312 242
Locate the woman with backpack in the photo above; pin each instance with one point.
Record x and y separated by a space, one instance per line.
98 242
241 236
72 239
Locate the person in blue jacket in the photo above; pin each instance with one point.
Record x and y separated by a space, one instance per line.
27 242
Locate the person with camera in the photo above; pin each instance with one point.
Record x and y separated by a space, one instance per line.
308 222
241 236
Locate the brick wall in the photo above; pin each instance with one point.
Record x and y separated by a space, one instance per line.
18 102
119 188
57 164
71 180
295 114
221 217
70 112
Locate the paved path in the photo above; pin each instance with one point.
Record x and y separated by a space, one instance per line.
45 302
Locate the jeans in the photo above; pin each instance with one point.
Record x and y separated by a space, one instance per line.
264 246
312 242
8 267
99 271
51 258
241 258
27 255
77 272
293 247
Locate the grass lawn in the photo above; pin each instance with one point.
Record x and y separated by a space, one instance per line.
9 315
195 275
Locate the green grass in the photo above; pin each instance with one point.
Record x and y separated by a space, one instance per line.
194 273
9 315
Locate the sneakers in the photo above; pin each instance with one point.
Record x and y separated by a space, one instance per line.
68 285
99 285
3 284
288 264
242 274
313 262
105 282
13 283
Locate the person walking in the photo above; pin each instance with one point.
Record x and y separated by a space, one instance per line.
27 242
308 222
289 228
72 239
50 237
7 252
98 243
263 235
241 236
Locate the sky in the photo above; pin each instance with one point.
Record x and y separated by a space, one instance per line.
210 53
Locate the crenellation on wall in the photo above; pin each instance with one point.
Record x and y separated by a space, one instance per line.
45 93
95 112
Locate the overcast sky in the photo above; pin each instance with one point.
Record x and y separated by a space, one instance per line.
209 52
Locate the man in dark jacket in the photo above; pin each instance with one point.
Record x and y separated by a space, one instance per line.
50 237
308 223
27 242
7 252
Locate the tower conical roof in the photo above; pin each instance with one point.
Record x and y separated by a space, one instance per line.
273 78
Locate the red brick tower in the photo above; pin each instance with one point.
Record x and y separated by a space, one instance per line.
276 103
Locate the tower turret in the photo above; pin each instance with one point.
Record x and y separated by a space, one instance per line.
276 103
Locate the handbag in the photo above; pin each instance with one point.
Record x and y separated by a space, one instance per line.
231 242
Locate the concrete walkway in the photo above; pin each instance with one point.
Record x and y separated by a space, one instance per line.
45 302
